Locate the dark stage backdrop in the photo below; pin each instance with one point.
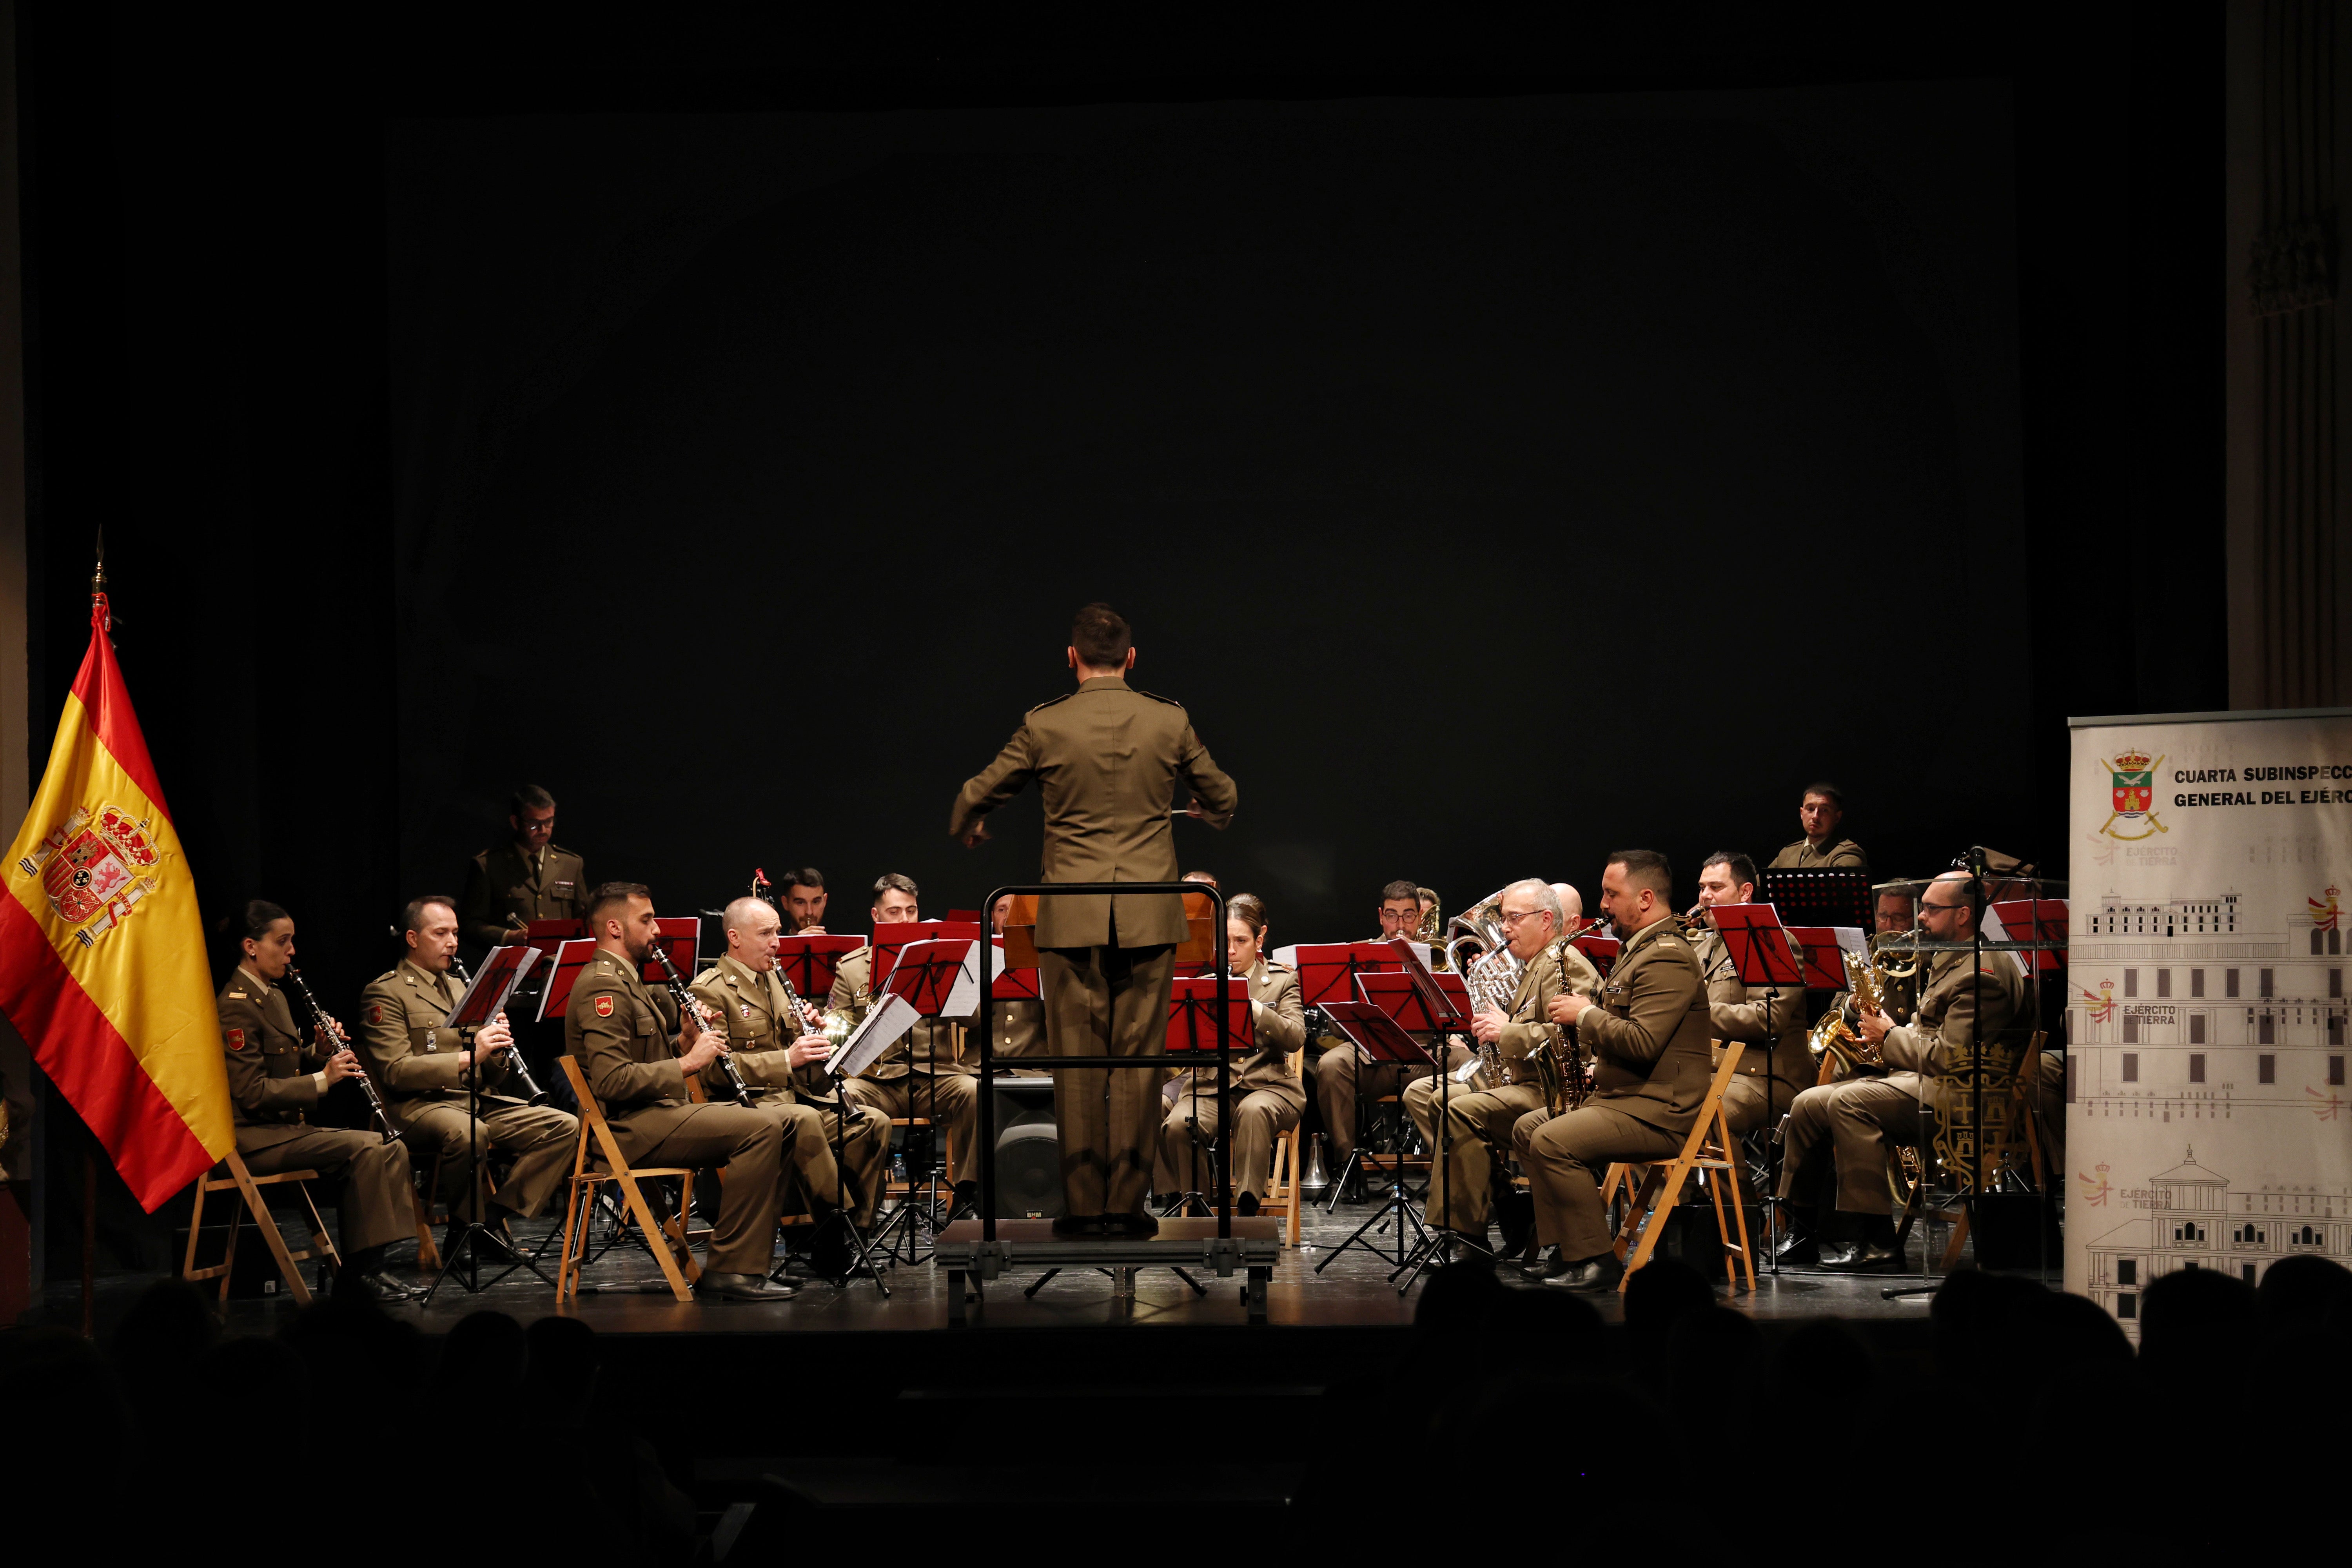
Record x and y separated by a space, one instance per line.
1496 483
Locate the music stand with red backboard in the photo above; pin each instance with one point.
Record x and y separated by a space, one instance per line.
1758 944
1327 971
1403 1001
1197 1025
1449 1005
808 963
681 937
494 982
889 940
1602 949
1375 1038
928 975
2037 921
1825 970
569 959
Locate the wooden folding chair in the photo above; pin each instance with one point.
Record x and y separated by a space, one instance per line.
618 1170
1282 1198
428 1257
1709 1149
249 1185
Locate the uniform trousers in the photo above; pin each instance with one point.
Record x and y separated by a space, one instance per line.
1867 1118
1107 1002
746 1143
1260 1117
1339 1075
949 1102
865 1146
1568 1155
374 1202
1480 1123
539 1138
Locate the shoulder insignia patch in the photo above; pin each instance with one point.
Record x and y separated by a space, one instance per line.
236 996
236 1039
1156 697
604 1006
376 1012
1064 696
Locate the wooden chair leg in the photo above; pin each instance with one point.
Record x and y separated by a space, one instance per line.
196 1228
428 1257
269 1229
321 1244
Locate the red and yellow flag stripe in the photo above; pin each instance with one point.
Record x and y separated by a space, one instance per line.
102 945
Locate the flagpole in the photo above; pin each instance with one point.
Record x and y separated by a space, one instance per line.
90 1154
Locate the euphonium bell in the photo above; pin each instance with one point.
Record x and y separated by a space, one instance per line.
1316 1181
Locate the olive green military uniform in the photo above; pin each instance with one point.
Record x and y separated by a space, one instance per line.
750 1005
922 1073
1844 855
1867 1118
413 1056
272 1084
1769 1021
1266 1088
1648 1039
1340 1075
1481 1114
1106 760
624 1037
1020 1028
507 887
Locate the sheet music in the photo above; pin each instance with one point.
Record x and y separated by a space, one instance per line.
891 1017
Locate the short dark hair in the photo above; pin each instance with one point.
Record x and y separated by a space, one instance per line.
412 914
529 797
803 877
253 922
895 881
1406 890
1100 635
1823 786
1646 868
1741 867
610 893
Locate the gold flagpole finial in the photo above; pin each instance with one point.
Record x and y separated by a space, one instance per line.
98 577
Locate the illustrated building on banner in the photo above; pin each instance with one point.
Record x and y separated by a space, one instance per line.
2196 1222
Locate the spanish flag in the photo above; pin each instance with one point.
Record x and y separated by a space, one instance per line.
101 947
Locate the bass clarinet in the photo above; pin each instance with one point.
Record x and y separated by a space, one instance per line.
521 1070
689 1005
334 1032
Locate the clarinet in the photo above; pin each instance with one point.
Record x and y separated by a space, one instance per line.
690 1003
519 1069
334 1032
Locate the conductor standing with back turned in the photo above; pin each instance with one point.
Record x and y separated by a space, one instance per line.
1105 758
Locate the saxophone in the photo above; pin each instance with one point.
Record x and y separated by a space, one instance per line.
1865 985
1563 1067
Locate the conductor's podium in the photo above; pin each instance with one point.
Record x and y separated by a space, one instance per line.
1251 1249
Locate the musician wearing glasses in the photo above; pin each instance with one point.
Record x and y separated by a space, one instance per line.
423 1067
528 877
921 1075
782 1057
1268 1096
1511 1024
1770 1019
1893 917
1647 1033
1864 1118
637 1050
1820 812
1340 1079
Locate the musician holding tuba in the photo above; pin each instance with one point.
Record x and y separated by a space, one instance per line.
1510 1028
423 1067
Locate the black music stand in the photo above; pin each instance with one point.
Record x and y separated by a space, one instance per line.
1327 971
493 982
1819 895
1376 1038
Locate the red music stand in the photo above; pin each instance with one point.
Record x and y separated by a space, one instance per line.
681 937
569 959
808 963
1193 1015
1014 985
2036 920
1602 949
889 940
928 974
1825 970
1404 1002
1327 971
547 936
1758 944
494 982
963 917
1438 1001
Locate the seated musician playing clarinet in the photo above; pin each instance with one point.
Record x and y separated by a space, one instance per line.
1268 1092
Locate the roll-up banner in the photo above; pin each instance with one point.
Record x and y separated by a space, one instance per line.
2208 1123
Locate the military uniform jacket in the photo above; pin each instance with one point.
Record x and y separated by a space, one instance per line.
1771 1023
1803 856
1529 1030
1649 1034
272 1079
1020 1028
1106 759
1281 1034
624 1037
509 882
929 1047
748 1006
408 1051
1939 1042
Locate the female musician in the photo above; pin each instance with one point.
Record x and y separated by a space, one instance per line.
274 1082
1265 1084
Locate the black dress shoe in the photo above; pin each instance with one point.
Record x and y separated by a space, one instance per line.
1245 1204
377 1286
1550 1266
966 1203
1592 1277
1071 1227
1853 1255
743 1287
1129 1227
1515 1216
1797 1247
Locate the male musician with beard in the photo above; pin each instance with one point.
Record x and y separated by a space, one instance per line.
528 877
1770 1019
1480 1114
1342 1081
804 901
423 1068
784 1064
621 1034
921 1075
1648 1038
1264 1085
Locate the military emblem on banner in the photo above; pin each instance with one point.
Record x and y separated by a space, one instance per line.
2324 916
95 871
2133 792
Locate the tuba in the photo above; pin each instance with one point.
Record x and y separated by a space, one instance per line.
1431 932
1482 922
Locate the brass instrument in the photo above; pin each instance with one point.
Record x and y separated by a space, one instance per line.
1564 1068
516 1069
1865 987
334 1032
689 1003
1482 922
1431 932
1493 981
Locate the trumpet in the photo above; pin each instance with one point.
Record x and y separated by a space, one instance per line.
334 1032
691 1006
516 1067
